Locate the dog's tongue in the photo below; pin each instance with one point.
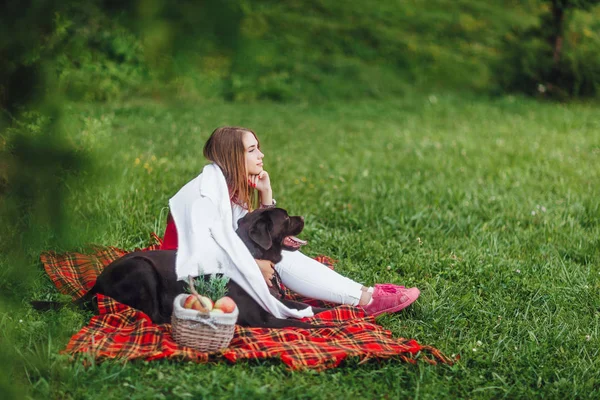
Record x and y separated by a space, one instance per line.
293 242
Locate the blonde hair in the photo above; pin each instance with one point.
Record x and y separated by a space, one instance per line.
225 147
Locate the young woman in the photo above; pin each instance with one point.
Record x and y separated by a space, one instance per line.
236 151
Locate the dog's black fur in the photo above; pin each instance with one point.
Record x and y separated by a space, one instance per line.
146 280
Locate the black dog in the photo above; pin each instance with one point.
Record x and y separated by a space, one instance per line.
146 280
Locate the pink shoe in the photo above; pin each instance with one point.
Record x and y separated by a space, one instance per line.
390 285
389 299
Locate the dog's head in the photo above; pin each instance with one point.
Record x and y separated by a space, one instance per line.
268 231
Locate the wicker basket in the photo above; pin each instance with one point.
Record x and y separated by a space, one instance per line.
203 332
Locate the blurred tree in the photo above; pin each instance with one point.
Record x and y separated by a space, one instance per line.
559 10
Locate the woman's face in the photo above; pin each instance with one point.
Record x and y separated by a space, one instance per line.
254 156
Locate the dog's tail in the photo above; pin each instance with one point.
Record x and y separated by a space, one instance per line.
48 305
43 305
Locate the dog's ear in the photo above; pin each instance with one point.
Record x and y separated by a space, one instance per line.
259 233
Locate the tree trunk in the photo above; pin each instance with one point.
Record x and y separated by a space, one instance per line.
558 19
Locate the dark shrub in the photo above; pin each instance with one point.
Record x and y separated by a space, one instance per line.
530 62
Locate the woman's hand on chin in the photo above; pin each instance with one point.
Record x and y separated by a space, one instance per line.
262 183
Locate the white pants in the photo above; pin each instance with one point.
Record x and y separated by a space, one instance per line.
310 278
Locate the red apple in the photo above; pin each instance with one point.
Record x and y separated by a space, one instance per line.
198 306
190 301
226 304
217 311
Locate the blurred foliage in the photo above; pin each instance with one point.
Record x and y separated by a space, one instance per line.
557 57
36 163
102 60
113 50
311 50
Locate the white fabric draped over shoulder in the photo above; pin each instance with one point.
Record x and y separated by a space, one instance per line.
207 242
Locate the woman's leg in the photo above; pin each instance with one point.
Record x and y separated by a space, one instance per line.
310 278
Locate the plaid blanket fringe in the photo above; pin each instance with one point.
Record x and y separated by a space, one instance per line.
121 332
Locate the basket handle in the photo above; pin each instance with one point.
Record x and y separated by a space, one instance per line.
192 285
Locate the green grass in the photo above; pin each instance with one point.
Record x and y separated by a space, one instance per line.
490 206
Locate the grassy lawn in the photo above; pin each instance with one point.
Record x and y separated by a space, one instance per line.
490 206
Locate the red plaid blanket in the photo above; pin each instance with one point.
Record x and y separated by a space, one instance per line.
121 332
